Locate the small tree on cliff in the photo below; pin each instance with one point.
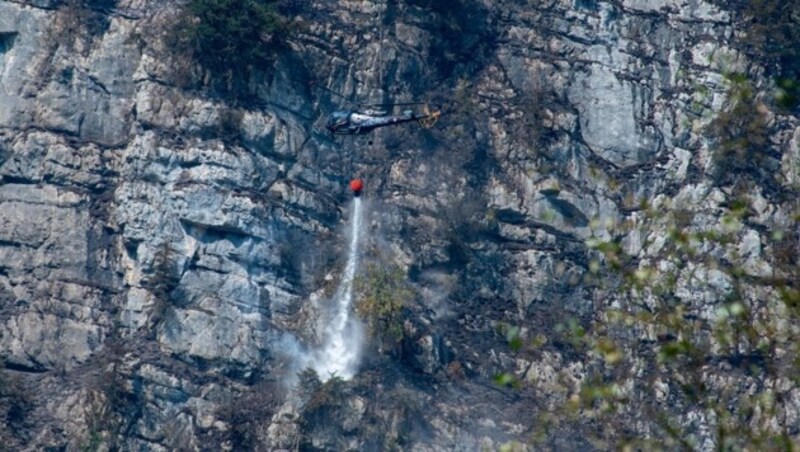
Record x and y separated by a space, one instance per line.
162 282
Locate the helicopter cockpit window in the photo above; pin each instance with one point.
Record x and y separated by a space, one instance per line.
338 118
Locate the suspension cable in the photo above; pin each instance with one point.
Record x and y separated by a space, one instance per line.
381 14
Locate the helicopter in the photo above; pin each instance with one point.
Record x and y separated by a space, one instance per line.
360 122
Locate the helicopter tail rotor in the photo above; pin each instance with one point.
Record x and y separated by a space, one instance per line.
429 118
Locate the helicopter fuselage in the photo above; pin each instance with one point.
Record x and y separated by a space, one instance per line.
355 123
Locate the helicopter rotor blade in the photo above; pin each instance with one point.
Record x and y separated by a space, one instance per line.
338 95
400 104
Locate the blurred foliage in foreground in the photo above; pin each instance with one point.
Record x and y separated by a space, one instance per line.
695 347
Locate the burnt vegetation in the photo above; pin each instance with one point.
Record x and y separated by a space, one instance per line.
80 21
376 406
245 412
164 280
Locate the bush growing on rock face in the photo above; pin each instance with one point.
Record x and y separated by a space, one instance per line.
308 383
230 123
382 296
322 400
109 403
163 281
230 38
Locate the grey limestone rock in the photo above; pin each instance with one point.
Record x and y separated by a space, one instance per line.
165 247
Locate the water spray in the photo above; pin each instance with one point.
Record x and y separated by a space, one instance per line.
343 334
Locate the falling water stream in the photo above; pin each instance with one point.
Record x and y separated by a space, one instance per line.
342 335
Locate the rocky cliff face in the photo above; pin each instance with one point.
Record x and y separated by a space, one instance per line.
165 251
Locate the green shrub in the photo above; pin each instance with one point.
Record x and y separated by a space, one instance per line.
230 37
383 295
